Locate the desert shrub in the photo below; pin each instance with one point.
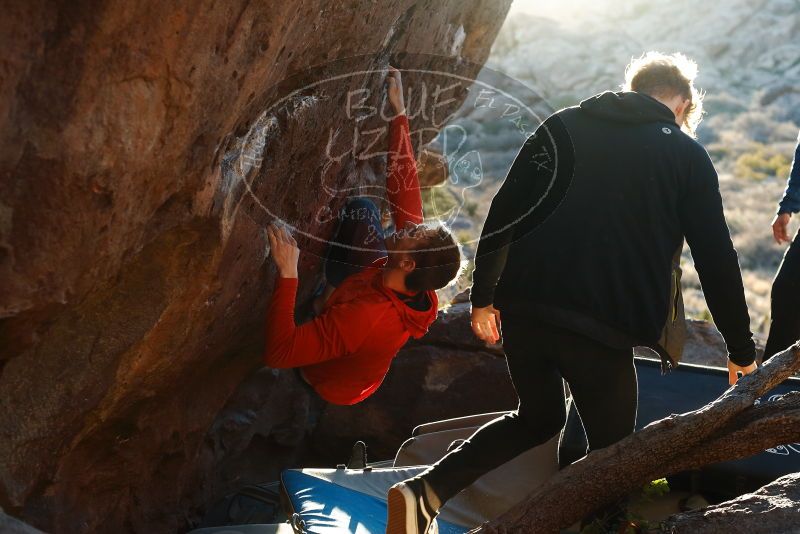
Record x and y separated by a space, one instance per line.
561 101
465 236
497 164
506 139
494 127
466 274
762 162
471 208
704 315
723 103
706 133
437 201
761 126
719 152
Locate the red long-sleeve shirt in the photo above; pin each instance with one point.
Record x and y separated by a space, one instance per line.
346 351
402 182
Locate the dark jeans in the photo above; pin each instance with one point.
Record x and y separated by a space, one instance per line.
602 381
358 241
784 327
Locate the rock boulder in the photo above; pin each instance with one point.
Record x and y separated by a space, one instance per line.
141 156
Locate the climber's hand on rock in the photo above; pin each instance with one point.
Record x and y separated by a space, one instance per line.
394 90
734 369
486 323
780 227
284 250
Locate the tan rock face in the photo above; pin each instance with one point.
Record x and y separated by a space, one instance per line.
133 279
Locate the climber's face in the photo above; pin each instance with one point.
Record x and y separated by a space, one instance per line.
428 254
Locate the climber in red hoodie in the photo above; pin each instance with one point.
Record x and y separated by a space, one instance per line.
381 289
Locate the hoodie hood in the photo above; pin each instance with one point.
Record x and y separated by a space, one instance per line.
629 107
415 321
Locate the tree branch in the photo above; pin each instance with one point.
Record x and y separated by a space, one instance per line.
610 473
762 427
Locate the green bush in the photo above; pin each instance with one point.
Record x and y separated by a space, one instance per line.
438 201
718 152
762 162
471 208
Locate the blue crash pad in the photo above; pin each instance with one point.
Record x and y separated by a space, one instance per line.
329 508
688 388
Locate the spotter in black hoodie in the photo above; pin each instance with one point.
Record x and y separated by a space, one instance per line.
583 230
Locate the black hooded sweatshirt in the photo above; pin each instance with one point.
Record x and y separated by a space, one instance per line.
584 228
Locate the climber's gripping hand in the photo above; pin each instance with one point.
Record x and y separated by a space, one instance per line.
394 90
284 250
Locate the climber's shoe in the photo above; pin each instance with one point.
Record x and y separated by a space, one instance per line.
409 509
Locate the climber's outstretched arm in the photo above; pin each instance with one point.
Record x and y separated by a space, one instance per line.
334 334
402 182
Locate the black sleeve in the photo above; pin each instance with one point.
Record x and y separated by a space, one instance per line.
790 203
715 258
533 188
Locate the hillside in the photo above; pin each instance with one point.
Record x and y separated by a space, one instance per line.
749 59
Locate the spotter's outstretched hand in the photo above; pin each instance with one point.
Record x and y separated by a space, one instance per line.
734 370
486 323
780 228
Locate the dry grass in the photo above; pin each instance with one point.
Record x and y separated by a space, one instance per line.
749 208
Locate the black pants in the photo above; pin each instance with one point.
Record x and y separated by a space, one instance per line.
358 241
602 381
784 327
